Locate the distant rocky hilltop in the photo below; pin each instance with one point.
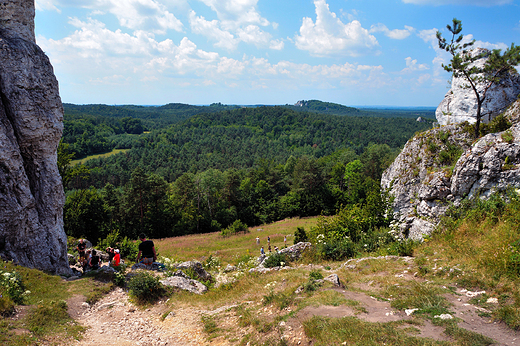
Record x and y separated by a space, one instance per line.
460 103
31 117
443 166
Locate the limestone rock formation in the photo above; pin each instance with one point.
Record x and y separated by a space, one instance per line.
460 104
424 181
31 117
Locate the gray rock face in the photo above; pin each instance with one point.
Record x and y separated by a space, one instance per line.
423 186
460 103
185 283
31 117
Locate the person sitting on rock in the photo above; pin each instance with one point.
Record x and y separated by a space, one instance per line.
117 258
147 249
86 260
94 261
111 254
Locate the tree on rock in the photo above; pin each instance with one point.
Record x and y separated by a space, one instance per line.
480 78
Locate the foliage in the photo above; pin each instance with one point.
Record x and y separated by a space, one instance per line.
463 65
337 249
145 288
12 285
300 235
235 228
276 259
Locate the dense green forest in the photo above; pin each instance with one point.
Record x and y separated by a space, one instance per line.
189 172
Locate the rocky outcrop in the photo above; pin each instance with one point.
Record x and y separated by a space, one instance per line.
31 117
460 103
442 166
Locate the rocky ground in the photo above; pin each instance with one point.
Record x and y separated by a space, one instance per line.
114 320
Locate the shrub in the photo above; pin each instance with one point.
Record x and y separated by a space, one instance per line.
300 235
235 228
145 287
13 286
508 137
275 260
337 250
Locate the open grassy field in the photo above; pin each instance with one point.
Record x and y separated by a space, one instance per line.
230 249
85 159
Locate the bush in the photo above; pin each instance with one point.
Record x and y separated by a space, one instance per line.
13 286
300 235
145 287
128 248
337 250
235 228
276 260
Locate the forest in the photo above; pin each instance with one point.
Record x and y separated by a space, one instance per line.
196 169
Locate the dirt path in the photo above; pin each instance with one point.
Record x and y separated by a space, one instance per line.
114 320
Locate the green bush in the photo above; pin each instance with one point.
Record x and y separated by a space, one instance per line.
235 228
276 260
300 235
128 248
145 287
12 284
336 250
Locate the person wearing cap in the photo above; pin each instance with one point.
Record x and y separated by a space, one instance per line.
117 258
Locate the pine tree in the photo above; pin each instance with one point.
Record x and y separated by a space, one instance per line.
463 61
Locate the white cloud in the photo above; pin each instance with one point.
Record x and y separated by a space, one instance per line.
396 34
236 13
211 29
42 5
412 66
150 15
486 3
330 36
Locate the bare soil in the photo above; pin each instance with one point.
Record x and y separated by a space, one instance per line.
114 320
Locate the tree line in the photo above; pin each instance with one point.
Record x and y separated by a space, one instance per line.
211 200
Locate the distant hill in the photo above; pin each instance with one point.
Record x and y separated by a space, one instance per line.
324 108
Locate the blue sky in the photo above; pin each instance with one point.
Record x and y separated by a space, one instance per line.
352 52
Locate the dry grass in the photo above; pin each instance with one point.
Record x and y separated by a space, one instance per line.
230 249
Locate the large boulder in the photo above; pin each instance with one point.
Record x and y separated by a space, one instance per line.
31 118
460 103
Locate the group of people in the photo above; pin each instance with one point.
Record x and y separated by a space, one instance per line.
90 259
262 251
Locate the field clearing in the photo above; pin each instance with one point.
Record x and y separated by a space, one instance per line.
97 156
230 249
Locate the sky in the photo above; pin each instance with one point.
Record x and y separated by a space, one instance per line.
351 52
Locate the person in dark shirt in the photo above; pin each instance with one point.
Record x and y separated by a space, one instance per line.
147 250
81 250
94 260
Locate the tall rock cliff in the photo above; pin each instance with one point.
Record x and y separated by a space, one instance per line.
31 117
444 166
460 103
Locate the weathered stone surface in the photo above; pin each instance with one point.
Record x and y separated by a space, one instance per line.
184 283
196 267
423 187
31 118
460 104
295 251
